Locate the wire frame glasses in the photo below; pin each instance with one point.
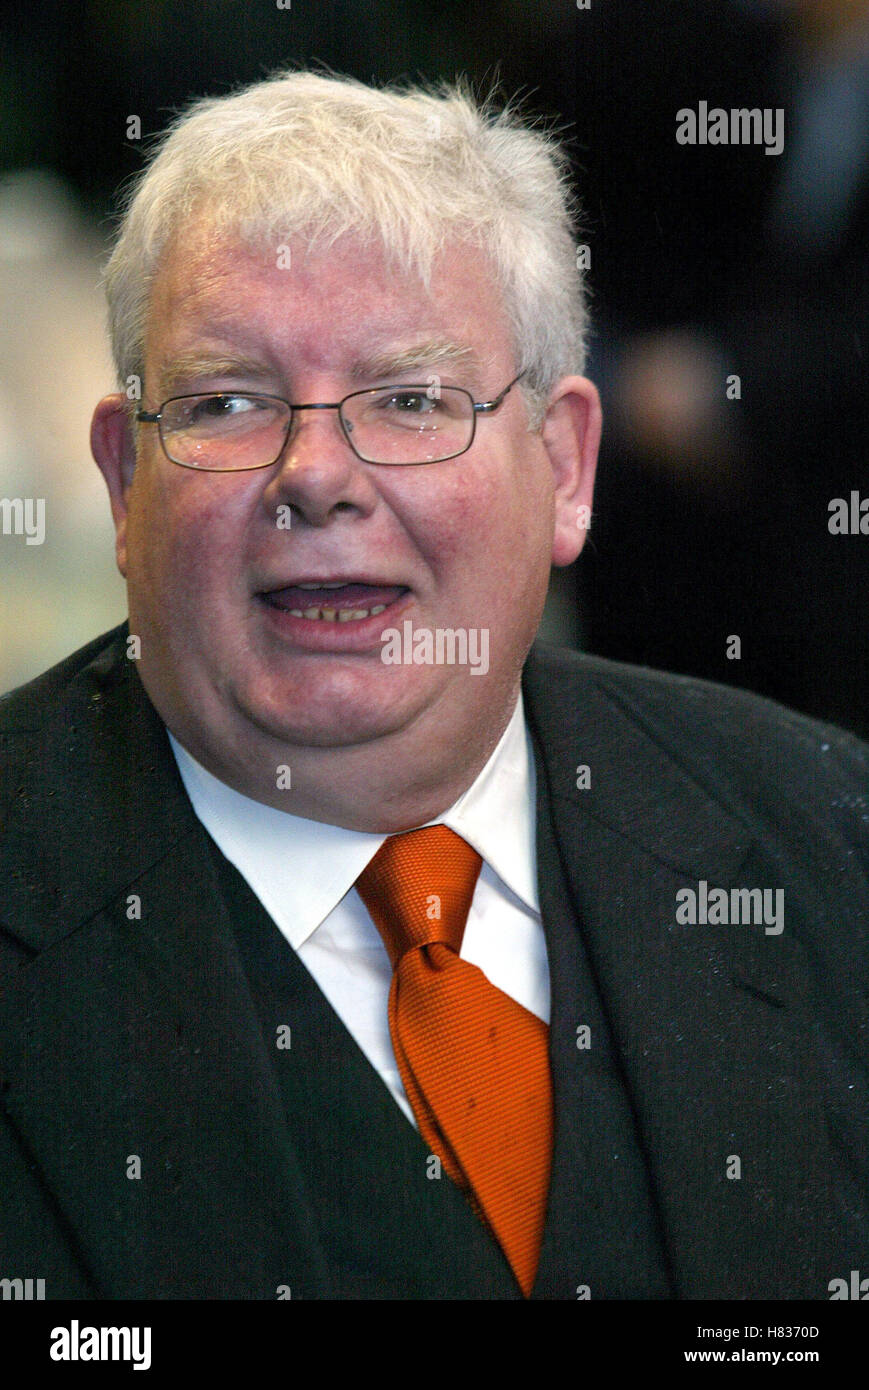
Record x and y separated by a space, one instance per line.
233 431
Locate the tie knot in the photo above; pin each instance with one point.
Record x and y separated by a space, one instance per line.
418 889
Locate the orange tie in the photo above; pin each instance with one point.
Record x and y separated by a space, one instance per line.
474 1063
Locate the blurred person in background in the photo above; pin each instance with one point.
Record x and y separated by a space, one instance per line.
729 497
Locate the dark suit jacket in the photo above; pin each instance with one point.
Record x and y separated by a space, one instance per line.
124 1035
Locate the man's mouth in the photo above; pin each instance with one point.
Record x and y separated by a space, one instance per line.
334 602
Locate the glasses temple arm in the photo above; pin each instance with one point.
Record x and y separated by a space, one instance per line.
486 407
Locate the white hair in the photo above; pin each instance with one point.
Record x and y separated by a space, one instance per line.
317 157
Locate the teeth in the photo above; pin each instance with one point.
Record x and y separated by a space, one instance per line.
338 585
340 615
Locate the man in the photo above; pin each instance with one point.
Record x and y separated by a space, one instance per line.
350 951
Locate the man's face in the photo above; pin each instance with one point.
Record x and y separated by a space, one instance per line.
212 579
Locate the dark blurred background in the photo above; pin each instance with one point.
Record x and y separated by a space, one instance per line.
707 263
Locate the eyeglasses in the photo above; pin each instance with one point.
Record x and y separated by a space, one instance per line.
231 431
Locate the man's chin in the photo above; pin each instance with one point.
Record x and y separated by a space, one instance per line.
336 718
348 732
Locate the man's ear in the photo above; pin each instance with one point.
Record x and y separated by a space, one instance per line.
571 437
114 449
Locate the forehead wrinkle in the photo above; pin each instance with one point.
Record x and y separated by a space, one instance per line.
217 304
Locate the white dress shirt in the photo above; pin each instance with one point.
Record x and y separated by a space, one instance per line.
304 871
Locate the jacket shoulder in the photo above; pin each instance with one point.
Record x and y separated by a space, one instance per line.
746 750
681 696
27 707
28 712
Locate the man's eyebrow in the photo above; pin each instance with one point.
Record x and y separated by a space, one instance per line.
436 352
424 356
188 366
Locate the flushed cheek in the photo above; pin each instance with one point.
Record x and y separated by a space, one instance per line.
484 538
184 561
457 526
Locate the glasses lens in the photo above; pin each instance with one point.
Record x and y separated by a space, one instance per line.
409 424
224 432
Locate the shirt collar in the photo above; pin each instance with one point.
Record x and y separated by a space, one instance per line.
301 869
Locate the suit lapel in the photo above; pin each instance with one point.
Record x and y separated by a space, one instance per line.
706 1020
131 1035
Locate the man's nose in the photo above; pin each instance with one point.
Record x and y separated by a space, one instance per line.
319 474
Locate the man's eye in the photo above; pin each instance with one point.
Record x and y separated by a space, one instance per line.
409 403
217 407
